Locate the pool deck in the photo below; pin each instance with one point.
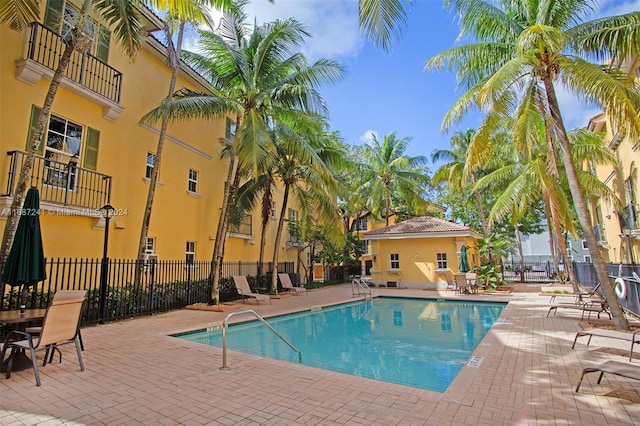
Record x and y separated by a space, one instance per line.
136 374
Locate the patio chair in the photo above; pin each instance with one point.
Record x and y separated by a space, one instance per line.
61 296
60 327
634 338
451 283
285 280
461 283
618 368
599 307
242 285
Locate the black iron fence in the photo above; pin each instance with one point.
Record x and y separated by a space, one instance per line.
516 271
629 274
134 289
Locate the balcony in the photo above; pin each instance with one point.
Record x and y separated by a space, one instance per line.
63 187
86 75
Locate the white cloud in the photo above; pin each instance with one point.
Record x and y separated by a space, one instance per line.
333 24
575 112
368 136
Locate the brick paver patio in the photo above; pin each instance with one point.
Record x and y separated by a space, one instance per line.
136 374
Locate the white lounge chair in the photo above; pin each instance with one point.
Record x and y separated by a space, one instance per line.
634 338
242 285
612 367
285 280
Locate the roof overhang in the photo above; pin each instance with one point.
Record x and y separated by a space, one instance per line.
422 235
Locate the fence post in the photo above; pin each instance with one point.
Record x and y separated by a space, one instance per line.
189 264
152 271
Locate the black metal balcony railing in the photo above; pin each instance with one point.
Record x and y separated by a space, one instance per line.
46 47
61 183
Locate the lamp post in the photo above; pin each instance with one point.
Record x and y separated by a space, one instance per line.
626 232
107 212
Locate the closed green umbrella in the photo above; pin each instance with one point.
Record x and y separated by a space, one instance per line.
464 262
25 265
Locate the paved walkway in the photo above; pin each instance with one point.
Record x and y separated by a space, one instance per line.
136 374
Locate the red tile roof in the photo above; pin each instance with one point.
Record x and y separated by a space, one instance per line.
424 226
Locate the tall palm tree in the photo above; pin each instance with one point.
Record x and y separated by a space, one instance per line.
453 171
519 43
388 169
303 165
122 16
256 75
195 13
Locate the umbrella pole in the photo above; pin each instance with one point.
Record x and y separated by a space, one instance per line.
23 298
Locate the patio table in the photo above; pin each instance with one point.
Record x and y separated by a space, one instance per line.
20 361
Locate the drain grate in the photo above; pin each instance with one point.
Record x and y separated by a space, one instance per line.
475 361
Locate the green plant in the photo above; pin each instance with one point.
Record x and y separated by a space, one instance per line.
491 275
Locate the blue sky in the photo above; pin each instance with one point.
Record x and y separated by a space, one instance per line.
385 92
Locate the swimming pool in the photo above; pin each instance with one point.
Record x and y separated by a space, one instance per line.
413 342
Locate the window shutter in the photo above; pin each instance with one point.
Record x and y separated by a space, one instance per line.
102 48
35 112
91 149
53 15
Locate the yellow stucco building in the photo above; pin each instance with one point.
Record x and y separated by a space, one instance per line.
94 151
419 252
617 225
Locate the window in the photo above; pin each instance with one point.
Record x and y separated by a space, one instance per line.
230 130
273 210
587 259
397 318
190 256
151 163
293 226
151 245
365 249
62 151
442 260
193 181
584 244
395 261
245 227
363 224
61 17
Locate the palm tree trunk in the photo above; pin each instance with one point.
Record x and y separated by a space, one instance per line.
581 208
552 237
274 274
34 143
387 191
175 70
519 242
228 204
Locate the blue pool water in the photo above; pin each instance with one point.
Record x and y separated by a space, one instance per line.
412 342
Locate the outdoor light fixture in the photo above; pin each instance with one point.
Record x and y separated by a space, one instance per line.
626 232
107 211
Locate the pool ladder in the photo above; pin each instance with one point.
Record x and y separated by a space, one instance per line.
225 324
360 287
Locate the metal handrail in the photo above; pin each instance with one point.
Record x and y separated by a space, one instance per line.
360 284
225 324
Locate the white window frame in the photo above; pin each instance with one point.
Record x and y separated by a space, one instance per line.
273 210
584 245
587 258
150 246
190 252
150 164
192 185
363 224
442 262
62 170
394 261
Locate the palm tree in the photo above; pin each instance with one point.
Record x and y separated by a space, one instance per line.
255 77
305 154
195 13
454 170
122 16
387 169
520 43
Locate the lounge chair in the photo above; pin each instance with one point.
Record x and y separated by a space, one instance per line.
611 334
60 327
285 280
612 367
579 297
598 307
242 285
